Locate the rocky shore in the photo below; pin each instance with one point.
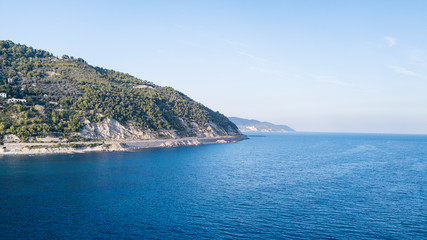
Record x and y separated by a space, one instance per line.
110 146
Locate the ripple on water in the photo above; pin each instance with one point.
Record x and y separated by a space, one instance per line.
289 186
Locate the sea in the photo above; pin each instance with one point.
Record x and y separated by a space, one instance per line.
271 186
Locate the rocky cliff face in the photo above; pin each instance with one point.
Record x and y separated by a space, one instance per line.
110 129
212 130
113 130
9 138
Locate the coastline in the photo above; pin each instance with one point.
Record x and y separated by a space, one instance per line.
111 146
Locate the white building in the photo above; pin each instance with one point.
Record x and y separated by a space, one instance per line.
3 95
12 100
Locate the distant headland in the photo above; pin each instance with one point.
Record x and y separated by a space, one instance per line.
251 125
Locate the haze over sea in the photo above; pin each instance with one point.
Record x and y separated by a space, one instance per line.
272 186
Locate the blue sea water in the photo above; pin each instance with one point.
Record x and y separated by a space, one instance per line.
272 186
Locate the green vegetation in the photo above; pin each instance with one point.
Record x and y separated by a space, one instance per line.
61 92
73 145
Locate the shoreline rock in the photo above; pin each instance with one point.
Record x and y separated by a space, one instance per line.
112 146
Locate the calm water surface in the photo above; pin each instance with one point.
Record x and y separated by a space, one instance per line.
274 186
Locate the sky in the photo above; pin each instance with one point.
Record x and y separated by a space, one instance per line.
317 66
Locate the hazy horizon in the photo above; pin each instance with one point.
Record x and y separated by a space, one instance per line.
316 66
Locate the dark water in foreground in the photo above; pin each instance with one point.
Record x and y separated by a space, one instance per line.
310 186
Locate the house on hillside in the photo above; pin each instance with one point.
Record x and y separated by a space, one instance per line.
3 95
12 100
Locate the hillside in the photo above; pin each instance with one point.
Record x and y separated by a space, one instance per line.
42 95
250 125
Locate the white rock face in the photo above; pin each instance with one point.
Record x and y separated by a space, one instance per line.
110 129
9 138
113 130
48 139
212 130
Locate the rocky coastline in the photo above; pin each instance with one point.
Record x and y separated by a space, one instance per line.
110 146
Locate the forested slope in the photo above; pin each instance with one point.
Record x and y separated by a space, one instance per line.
62 93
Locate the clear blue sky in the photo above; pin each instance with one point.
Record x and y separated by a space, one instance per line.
334 66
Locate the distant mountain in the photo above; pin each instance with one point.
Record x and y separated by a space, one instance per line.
251 125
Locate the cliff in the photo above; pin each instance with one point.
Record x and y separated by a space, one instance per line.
111 129
64 97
